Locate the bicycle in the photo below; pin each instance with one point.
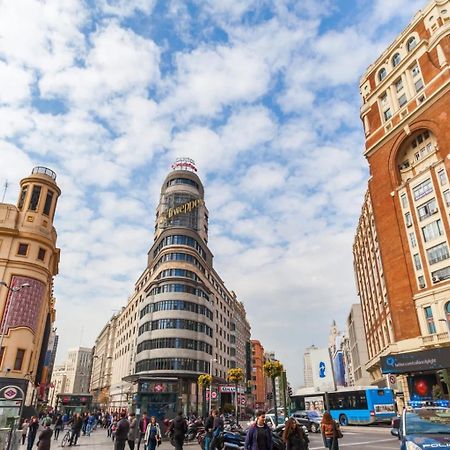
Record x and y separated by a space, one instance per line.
66 438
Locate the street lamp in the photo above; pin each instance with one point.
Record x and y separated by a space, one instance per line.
447 324
13 290
211 361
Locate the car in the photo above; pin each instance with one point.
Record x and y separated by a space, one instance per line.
423 428
310 419
270 420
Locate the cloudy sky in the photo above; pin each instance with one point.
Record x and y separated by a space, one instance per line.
262 94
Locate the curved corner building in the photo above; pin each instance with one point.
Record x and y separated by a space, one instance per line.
188 322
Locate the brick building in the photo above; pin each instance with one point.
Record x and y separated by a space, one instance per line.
401 255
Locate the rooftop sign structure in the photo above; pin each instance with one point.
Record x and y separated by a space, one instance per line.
184 164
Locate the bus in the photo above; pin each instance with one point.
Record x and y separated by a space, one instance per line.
352 406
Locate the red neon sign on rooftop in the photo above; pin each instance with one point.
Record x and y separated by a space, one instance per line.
184 164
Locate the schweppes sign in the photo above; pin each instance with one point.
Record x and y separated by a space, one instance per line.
182 209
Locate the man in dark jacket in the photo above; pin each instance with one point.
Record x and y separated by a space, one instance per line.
121 436
259 435
76 423
178 429
218 426
209 424
32 431
143 423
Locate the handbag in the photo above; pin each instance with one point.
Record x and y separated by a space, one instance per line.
339 434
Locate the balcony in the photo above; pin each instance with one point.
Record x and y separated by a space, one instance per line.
434 339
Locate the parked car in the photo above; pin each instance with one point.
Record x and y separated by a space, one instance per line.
270 420
310 419
423 428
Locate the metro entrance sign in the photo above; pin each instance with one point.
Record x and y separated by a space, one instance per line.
230 389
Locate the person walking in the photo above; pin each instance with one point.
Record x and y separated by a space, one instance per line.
121 433
218 426
45 438
209 425
259 435
294 436
76 423
133 433
330 432
59 426
143 423
178 429
33 428
24 430
152 436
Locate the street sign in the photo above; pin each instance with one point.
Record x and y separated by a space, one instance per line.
392 379
213 395
243 400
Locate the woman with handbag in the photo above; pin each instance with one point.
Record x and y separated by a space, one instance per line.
152 434
330 432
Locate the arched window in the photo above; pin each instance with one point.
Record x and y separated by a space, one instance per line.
396 59
411 44
382 74
447 312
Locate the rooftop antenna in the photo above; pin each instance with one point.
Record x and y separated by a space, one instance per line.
5 188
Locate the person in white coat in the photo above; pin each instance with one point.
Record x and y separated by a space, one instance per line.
152 434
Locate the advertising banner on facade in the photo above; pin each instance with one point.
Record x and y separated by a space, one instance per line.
434 359
322 371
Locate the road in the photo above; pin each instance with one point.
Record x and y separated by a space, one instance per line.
355 438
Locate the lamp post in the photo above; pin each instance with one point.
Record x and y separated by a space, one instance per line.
211 361
13 291
447 324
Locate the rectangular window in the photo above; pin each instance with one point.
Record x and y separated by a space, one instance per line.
447 197
387 114
421 281
427 209
2 351
432 230
442 177
402 100
404 201
412 239
22 250
437 253
423 189
41 254
399 85
19 359
48 203
23 194
417 262
408 219
415 71
34 201
430 321
418 85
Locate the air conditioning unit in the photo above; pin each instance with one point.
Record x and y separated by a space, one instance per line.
436 279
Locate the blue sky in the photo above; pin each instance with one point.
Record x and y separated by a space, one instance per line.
263 95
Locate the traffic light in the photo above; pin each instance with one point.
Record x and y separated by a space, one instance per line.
269 396
290 391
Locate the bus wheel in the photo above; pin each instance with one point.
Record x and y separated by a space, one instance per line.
343 420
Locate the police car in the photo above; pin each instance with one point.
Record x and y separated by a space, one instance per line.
423 428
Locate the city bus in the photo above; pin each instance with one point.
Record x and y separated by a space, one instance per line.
350 406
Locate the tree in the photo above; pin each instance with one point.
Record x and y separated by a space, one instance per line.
236 376
273 369
205 381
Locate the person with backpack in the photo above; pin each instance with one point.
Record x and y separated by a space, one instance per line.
178 429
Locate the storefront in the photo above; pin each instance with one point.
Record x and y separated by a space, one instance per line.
427 373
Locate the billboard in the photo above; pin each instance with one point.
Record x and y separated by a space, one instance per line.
339 368
434 359
322 371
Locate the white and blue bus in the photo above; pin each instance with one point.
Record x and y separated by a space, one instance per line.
351 406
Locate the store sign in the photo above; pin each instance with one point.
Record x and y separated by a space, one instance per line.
435 359
181 209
